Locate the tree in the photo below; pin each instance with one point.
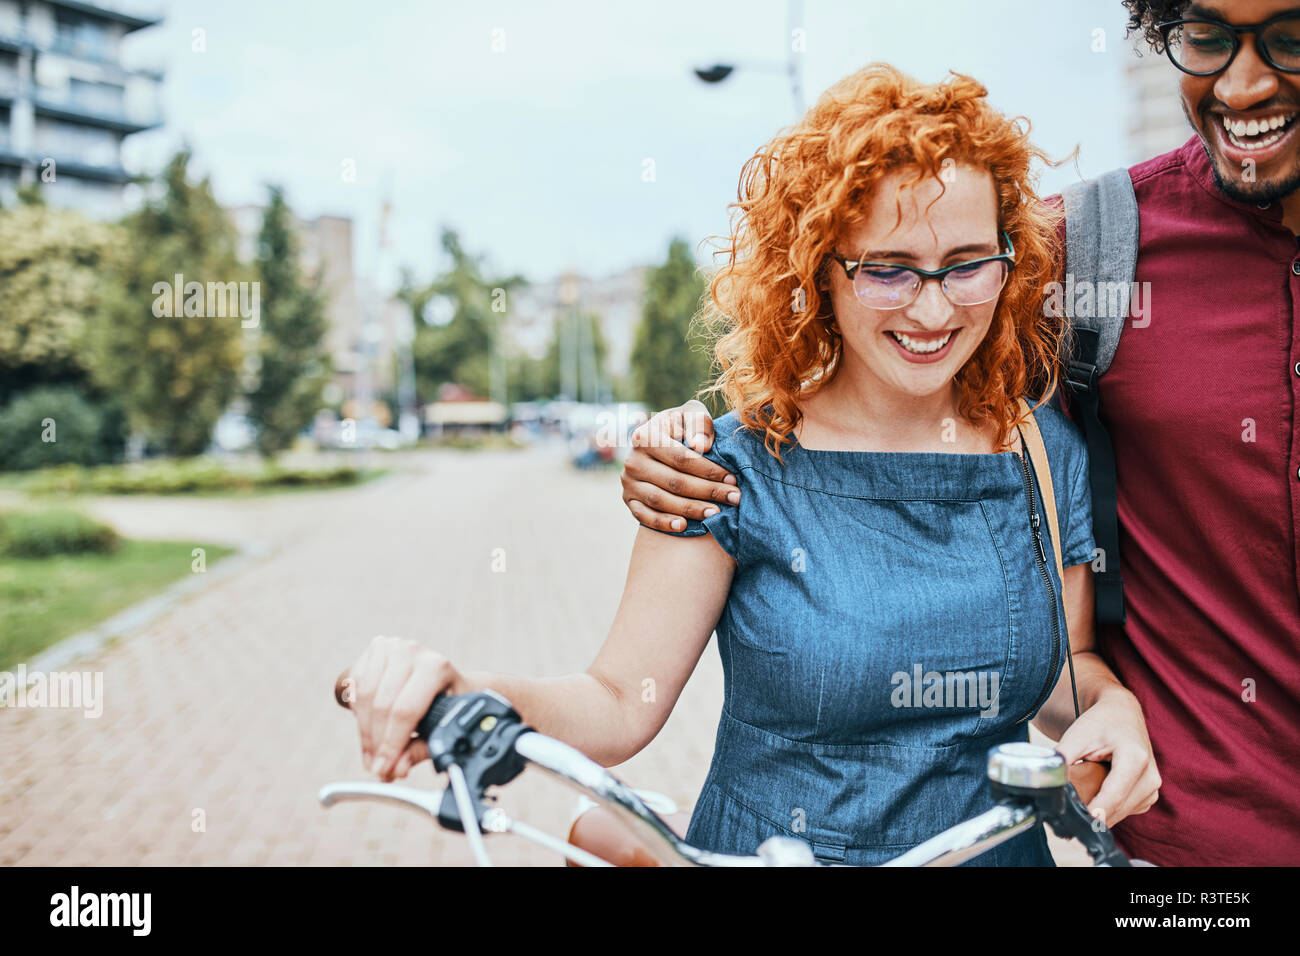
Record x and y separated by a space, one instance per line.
671 357
458 319
51 263
175 373
51 269
293 366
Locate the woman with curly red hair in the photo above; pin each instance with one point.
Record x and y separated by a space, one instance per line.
875 139
883 613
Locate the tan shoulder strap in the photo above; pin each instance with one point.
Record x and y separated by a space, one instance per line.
1037 452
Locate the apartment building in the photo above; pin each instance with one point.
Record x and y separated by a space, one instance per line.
67 101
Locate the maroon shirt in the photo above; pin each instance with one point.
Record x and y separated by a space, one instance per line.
1201 407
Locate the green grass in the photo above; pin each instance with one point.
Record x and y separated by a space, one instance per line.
43 600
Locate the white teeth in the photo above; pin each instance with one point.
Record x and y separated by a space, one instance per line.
920 347
1255 127
1268 140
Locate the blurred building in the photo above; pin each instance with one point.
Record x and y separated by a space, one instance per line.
1156 121
539 310
366 326
464 415
382 325
67 102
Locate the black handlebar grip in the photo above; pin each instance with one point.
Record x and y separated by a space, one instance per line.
433 717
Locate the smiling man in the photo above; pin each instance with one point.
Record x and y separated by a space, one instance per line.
1239 61
1200 402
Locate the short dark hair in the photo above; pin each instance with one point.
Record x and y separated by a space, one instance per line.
1143 15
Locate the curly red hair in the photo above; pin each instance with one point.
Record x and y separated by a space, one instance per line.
797 195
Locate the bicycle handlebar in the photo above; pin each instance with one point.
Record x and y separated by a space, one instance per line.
480 741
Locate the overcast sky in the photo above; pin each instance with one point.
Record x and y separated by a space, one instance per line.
536 153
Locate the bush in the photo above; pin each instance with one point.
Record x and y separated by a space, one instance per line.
180 477
84 433
484 441
273 476
40 534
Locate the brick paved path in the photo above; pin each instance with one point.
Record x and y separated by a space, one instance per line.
223 704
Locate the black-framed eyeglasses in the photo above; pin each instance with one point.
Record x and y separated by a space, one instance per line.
1203 47
890 285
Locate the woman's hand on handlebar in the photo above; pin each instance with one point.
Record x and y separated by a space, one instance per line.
1113 730
392 685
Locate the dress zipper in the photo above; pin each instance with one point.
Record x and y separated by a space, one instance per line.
1040 557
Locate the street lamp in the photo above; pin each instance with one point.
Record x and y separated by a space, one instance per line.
714 74
792 67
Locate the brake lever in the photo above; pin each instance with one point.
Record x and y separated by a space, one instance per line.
467 813
1062 809
1069 817
475 738
422 800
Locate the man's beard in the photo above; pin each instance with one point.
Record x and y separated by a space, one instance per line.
1237 189
1258 192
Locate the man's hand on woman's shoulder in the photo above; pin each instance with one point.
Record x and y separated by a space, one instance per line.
664 481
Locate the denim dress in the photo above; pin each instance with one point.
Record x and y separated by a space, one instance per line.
888 623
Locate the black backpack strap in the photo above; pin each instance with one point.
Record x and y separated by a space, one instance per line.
1101 246
1081 377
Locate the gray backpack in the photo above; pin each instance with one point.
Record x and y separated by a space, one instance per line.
1101 249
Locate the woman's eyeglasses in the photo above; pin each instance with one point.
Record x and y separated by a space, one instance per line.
1205 47
889 285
